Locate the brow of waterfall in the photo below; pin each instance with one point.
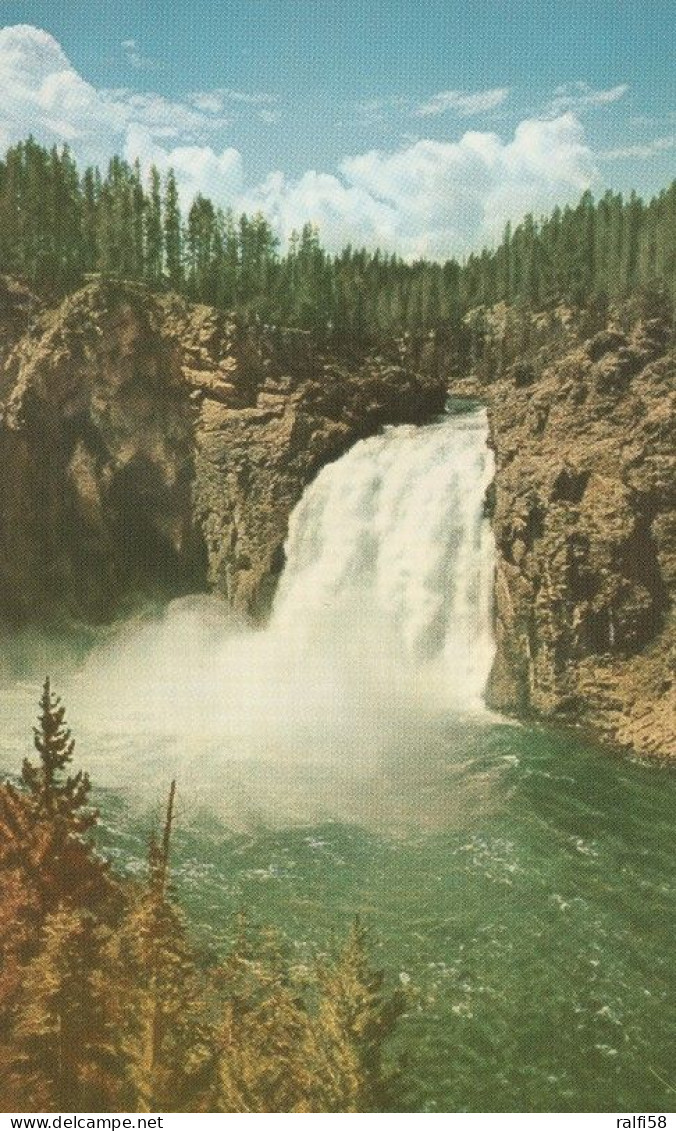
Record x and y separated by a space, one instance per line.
395 533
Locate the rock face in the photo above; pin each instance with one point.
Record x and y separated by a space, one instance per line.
149 446
585 525
17 308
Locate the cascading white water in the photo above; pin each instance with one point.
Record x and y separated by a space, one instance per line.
395 534
380 641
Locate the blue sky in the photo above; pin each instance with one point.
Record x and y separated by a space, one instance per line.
418 126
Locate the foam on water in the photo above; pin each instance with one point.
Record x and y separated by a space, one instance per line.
382 623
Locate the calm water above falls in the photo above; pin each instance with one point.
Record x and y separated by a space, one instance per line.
521 883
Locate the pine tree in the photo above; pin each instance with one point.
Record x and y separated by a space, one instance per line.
264 1032
157 1007
201 241
55 226
21 906
229 274
632 229
356 1017
154 236
50 875
43 827
12 259
138 207
55 793
173 239
90 193
62 1049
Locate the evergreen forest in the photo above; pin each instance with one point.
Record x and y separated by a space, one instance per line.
59 224
107 1005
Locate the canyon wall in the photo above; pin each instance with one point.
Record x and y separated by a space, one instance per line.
152 447
584 513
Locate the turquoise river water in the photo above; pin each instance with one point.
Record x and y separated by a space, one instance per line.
520 882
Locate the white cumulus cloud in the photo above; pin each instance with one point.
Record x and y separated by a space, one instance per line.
198 168
43 94
428 197
435 198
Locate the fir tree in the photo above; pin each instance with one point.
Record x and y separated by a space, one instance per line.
54 792
101 999
56 890
154 236
356 1017
90 193
264 1033
63 1052
157 1006
55 226
43 826
173 240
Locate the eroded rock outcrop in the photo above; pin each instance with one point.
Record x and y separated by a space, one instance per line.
151 446
585 525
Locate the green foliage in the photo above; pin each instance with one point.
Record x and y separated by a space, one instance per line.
156 995
289 1043
155 1003
56 226
43 826
173 237
63 1052
264 1032
105 1005
54 793
57 896
355 1019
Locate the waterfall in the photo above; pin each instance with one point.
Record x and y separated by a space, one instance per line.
379 641
394 535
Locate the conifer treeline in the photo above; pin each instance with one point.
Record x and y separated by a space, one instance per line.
106 1006
57 225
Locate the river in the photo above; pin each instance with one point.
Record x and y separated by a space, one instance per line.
520 882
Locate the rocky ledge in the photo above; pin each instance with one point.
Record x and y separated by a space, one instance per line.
152 447
585 526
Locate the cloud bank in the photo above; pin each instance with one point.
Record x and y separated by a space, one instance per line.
435 198
429 197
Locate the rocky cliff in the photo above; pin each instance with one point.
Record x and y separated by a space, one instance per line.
153 447
585 523
149 446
